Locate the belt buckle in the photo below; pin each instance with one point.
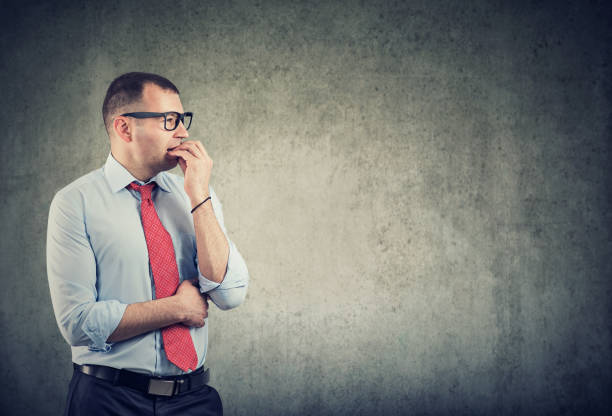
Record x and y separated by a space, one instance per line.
161 387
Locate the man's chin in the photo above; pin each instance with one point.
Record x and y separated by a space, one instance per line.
170 162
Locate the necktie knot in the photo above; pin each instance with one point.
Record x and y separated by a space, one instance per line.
145 190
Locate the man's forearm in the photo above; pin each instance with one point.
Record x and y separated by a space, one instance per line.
212 246
142 317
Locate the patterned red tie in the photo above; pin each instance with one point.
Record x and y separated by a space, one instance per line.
177 340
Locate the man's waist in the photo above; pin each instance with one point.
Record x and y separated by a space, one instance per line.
160 386
143 354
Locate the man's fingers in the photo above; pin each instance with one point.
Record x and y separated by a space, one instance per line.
200 146
192 147
181 153
193 281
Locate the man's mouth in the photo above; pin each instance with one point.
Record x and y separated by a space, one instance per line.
168 152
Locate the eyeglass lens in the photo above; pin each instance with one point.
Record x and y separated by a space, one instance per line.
172 120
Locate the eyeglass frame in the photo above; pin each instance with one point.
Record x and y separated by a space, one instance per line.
146 114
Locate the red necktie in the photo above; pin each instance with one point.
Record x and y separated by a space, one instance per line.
177 339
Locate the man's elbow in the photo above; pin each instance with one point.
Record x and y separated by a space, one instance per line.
74 338
70 326
227 299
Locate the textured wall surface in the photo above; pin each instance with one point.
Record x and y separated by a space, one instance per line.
420 190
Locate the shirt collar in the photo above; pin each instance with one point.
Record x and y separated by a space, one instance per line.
118 177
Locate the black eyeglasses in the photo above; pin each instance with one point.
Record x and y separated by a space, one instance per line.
171 118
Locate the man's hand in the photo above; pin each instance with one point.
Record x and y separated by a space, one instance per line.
196 166
194 303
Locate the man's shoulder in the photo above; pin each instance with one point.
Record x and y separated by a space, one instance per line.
82 185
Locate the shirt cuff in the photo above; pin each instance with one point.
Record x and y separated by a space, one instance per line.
234 276
102 320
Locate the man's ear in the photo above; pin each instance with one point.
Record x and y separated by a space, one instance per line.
122 129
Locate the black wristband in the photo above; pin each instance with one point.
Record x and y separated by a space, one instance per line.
196 207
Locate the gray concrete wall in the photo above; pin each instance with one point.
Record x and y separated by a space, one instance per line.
420 190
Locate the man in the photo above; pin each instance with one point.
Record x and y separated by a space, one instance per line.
133 254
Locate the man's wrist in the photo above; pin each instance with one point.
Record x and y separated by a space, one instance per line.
197 204
178 310
198 197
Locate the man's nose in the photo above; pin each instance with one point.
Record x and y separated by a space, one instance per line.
181 131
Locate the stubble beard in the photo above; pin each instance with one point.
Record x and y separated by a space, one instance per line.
169 162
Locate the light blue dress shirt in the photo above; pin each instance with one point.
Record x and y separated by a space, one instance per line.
98 263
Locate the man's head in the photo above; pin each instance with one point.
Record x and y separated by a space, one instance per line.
126 90
141 144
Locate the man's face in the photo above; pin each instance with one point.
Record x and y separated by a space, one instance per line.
150 141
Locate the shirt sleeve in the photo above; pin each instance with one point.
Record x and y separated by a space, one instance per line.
71 270
232 290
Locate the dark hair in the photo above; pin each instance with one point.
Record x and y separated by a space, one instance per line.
126 89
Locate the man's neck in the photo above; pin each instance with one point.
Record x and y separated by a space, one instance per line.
140 175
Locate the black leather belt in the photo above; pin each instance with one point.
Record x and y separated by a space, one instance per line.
159 386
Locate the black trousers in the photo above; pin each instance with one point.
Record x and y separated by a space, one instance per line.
91 396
